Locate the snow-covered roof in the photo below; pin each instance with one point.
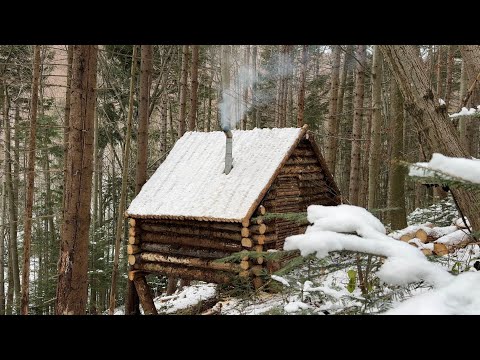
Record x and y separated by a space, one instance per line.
190 183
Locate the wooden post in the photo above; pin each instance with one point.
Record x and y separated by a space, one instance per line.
143 291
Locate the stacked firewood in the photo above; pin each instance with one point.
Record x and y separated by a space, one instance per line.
435 240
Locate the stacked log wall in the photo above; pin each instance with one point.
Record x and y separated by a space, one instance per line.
300 183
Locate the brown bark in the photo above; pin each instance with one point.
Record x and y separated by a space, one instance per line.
66 122
225 245
184 250
183 92
145 295
154 257
27 239
194 231
123 193
301 89
73 262
354 185
423 106
146 68
13 266
375 135
396 175
192 116
330 124
448 87
439 71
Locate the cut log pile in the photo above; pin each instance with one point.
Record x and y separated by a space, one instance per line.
432 240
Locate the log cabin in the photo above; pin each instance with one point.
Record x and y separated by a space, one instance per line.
209 198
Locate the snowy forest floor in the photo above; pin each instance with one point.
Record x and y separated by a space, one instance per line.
313 286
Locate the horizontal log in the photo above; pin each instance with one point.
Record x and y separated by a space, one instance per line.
302 161
258 248
259 260
133 249
132 222
217 244
245 222
263 239
191 231
260 210
311 176
303 152
132 259
260 229
186 251
152 225
245 232
184 272
300 169
133 274
247 242
131 231
133 240
245 264
312 184
186 261
257 220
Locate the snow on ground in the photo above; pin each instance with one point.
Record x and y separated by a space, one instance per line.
460 297
404 264
461 168
189 296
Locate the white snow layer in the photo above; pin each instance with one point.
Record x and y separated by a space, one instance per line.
454 238
344 218
295 306
466 169
191 182
280 280
404 263
442 102
464 112
461 296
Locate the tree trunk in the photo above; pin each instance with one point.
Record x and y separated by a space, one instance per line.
246 85
12 208
183 92
396 176
66 121
301 88
448 87
2 252
192 116
123 193
146 68
375 135
439 71
423 106
471 56
255 117
463 121
329 133
27 238
357 126
73 262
